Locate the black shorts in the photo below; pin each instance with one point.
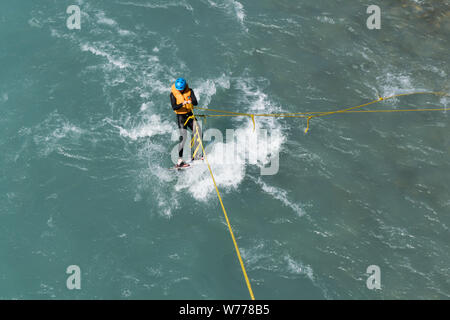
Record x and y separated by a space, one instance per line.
181 120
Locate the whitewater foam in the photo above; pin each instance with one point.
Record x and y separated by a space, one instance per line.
152 125
280 195
53 132
118 62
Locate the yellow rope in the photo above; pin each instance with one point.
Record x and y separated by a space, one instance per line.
247 281
310 115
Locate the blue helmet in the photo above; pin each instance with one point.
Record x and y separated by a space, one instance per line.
180 84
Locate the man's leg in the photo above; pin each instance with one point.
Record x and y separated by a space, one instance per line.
181 119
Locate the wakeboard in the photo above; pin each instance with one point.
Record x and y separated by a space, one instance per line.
189 165
182 167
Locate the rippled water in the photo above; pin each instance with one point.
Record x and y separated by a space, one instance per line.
86 132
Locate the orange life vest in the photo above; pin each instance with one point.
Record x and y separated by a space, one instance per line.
181 97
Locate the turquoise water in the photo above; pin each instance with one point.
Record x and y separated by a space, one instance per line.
86 132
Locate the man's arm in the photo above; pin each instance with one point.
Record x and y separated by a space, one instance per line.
193 98
173 100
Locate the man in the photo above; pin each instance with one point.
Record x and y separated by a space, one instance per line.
183 99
